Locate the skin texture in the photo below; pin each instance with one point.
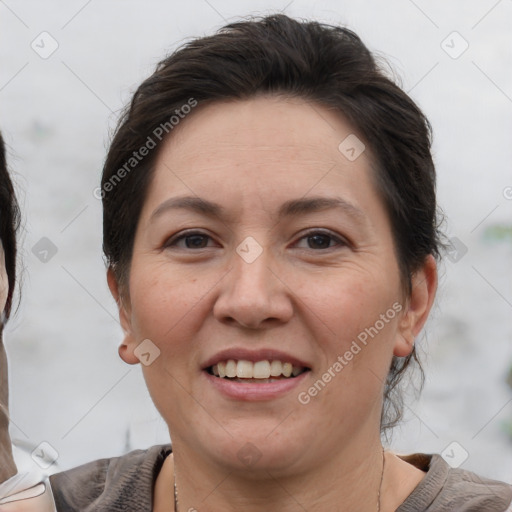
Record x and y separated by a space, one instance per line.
251 157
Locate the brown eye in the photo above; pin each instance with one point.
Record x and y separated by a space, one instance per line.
195 241
320 240
190 240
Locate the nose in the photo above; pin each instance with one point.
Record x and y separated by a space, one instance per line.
253 295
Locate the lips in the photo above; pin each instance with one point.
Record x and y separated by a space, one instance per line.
254 390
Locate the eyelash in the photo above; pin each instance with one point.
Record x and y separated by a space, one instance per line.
341 242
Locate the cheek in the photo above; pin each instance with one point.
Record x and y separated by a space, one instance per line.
166 304
357 350
169 308
349 300
356 319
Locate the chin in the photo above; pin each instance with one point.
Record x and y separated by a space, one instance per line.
256 448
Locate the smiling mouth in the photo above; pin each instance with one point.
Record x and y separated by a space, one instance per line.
256 372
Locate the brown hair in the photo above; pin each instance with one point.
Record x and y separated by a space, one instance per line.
273 55
9 224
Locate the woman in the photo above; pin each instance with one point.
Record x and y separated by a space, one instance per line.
27 491
271 237
9 221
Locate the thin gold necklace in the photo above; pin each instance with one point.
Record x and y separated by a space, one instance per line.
378 494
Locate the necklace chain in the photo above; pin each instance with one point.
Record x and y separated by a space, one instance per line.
378 494
380 484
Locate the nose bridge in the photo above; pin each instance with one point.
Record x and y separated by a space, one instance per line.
252 266
252 293
252 275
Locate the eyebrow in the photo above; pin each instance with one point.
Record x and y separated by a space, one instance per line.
290 208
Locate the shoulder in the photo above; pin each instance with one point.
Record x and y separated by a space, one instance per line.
445 489
119 483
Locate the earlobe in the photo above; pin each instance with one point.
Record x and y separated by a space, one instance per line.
125 351
419 304
128 345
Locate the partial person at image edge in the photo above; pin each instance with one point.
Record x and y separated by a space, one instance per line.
27 491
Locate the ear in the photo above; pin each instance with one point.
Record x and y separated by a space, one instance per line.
128 345
418 306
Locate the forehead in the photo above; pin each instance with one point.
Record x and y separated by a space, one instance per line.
272 126
258 151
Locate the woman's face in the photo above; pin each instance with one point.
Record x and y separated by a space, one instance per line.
261 240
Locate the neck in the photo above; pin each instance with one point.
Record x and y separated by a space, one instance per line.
349 480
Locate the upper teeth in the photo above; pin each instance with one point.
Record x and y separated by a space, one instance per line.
258 370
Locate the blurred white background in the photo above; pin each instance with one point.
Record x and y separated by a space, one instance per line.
68 386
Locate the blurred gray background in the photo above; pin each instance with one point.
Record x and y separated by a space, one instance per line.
66 70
